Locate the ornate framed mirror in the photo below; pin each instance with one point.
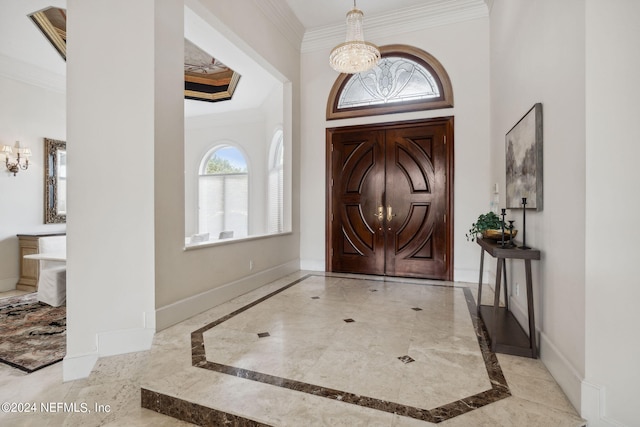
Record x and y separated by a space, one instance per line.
55 181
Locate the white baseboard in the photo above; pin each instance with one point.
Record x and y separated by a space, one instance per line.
181 310
593 407
592 403
565 374
75 367
109 343
556 363
592 395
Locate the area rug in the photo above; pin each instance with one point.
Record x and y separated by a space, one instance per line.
33 335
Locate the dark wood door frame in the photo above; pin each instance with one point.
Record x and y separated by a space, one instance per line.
449 220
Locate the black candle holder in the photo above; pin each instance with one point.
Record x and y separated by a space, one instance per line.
524 224
503 214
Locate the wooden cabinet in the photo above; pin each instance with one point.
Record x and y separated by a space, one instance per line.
28 244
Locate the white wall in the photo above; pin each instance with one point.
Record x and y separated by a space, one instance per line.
244 130
191 281
121 104
612 380
33 108
537 55
463 50
28 114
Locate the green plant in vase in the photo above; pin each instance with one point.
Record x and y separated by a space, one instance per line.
488 221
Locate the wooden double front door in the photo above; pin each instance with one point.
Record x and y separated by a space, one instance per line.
389 200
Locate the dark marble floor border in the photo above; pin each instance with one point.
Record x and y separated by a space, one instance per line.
192 412
499 388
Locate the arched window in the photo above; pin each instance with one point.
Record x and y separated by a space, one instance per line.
276 184
405 79
223 193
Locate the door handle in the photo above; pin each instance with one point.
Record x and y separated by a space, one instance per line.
379 214
390 213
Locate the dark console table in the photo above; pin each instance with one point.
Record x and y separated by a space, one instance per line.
505 333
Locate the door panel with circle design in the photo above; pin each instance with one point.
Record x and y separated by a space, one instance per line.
389 199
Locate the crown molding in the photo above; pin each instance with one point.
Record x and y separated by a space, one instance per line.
24 72
432 14
281 15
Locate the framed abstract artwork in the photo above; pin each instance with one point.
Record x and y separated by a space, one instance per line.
523 152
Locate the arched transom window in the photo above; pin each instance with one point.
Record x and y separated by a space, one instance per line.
395 79
405 79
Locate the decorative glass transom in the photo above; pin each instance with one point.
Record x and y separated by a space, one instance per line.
393 80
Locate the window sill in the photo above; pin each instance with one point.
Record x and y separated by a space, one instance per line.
212 243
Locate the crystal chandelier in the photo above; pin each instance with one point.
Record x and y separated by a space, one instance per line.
354 55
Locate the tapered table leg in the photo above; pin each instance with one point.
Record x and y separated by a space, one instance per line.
480 280
506 286
532 320
496 304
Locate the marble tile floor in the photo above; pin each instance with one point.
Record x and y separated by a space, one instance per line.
293 359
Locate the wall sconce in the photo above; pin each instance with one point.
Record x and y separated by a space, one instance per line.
21 160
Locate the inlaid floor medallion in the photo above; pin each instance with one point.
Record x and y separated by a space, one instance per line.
310 352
